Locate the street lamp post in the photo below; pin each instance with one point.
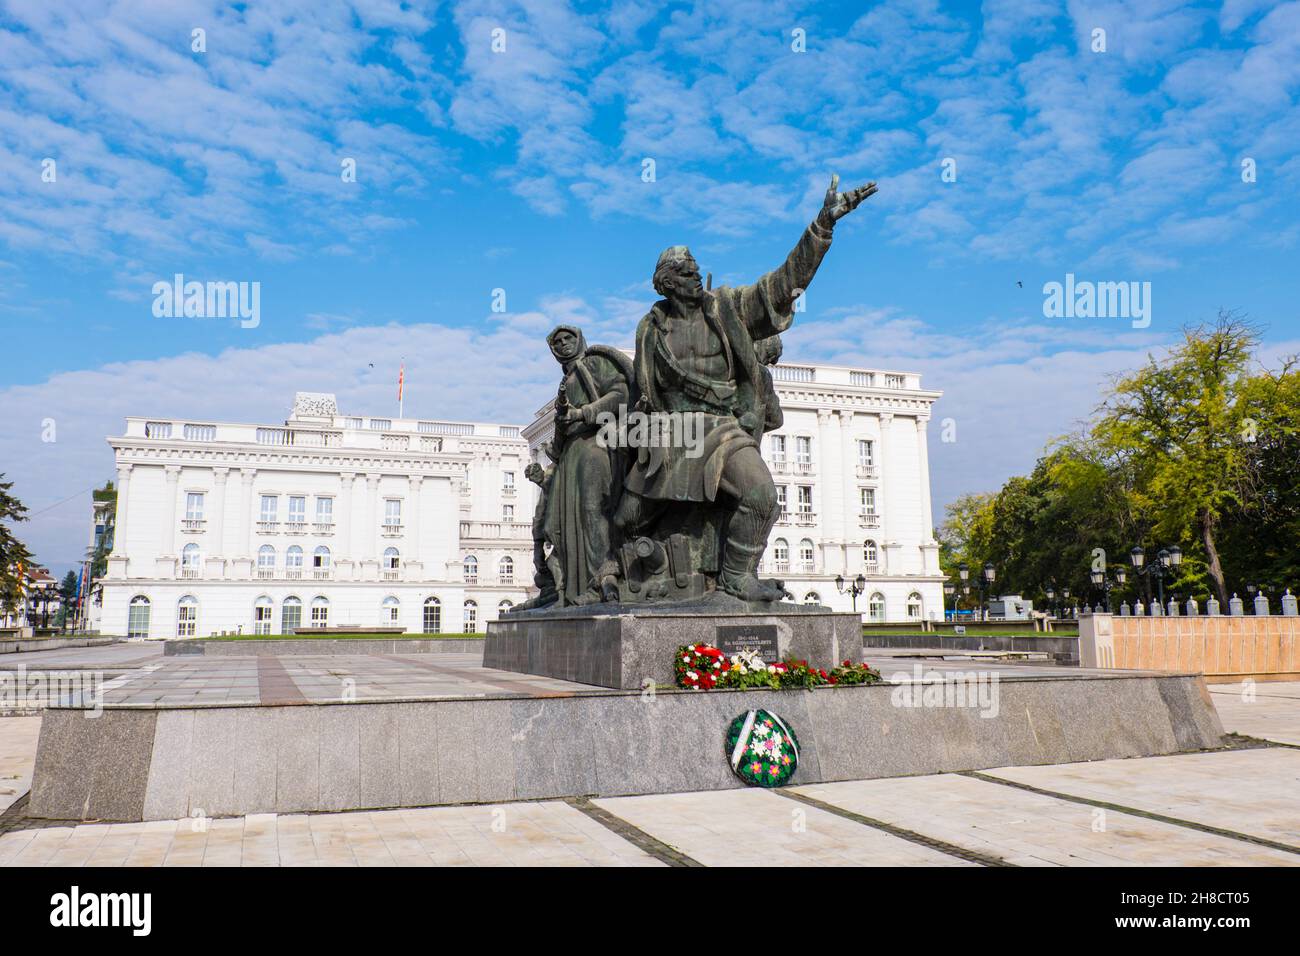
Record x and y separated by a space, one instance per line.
858 585
1100 580
949 590
987 576
1166 560
1051 599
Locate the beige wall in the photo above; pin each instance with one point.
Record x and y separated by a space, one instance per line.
1228 648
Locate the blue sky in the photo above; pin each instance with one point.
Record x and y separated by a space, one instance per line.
522 170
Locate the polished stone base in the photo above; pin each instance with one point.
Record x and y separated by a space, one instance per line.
166 762
626 647
320 647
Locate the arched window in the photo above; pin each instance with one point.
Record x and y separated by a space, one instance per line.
812 597
504 607
263 609
876 607
388 612
320 562
293 564
291 612
806 554
432 616
471 617
265 562
320 612
506 570
915 607
871 555
137 617
471 569
187 616
190 561
781 554
392 561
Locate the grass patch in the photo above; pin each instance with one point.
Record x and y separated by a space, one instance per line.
971 631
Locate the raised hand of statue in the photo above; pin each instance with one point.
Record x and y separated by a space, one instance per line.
840 204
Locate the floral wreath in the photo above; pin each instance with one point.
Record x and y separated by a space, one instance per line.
700 666
762 749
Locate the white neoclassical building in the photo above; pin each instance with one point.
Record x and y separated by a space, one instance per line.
852 475
326 520
337 520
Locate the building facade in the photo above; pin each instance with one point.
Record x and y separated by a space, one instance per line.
852 476
327 520
333 520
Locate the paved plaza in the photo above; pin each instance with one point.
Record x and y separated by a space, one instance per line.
1231 807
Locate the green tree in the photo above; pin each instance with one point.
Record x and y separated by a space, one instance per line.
1179 425
67 597
14 556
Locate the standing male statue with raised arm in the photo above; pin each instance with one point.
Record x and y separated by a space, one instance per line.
695 355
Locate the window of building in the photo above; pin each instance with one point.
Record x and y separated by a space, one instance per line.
266 561
471 569
781 553
471 617
290 615
297 509
270 505
506 570
320 558
805 499
320 612
392 559
389 610
507 481
392 513
803 451
263 609
137 617
866 452
507 513
870 554
867 499
778 450
194 506
432 616
915 607
293 561
806 554
190 561
187 616
782 501
812 597
324 510
876 607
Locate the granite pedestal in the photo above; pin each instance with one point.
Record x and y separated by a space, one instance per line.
625 646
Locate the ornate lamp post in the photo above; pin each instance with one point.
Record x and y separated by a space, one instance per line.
1100 580
1166 560
1065 600
949 590
987 575
858 585
1051 599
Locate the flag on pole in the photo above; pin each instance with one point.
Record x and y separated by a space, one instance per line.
401 378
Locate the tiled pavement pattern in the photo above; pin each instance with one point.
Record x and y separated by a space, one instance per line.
17 754
1267 709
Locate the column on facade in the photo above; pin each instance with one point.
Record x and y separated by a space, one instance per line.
884 492
927 519
370 535
172 474
344 515
849 485
218 538
245 523
416 485
831 539
123 498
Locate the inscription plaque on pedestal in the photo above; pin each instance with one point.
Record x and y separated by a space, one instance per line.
759 638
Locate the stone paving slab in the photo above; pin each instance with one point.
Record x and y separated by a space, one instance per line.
1255 791
757 828
110 656
523 834
17 756
1029 829
1266 709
